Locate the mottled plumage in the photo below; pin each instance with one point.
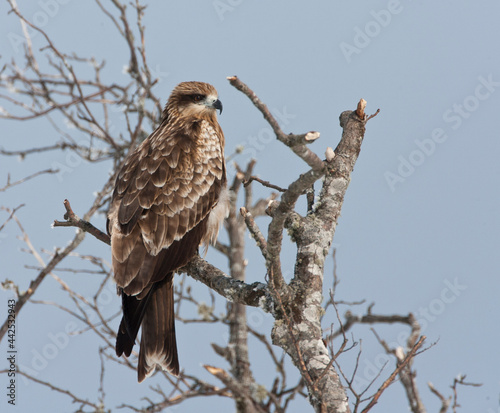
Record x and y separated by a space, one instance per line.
169 197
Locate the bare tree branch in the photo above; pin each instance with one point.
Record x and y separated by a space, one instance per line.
72 220
296 142
20 181
445 402
388 382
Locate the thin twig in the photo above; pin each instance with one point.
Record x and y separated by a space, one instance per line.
264 183
20 181
391 378
11 214
72 220
254 231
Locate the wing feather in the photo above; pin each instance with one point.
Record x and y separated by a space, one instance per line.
128 270
160 232
160 174
147 195
173 159
122 245
152 164
129 209
142 180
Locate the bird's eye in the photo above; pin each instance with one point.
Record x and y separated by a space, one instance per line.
198 98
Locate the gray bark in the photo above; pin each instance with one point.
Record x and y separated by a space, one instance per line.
299 331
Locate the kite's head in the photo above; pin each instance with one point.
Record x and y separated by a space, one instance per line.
194 100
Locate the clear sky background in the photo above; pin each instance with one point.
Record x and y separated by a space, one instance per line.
420 223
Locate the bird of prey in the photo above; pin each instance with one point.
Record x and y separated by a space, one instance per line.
170 196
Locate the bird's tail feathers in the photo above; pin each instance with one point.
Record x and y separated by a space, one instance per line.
133 313
158 343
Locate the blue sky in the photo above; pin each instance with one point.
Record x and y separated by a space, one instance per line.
419 226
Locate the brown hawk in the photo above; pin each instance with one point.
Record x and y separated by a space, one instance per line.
170 196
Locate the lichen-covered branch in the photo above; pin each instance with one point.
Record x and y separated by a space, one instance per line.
313 235
255 294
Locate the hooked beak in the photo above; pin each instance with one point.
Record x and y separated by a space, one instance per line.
217 105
